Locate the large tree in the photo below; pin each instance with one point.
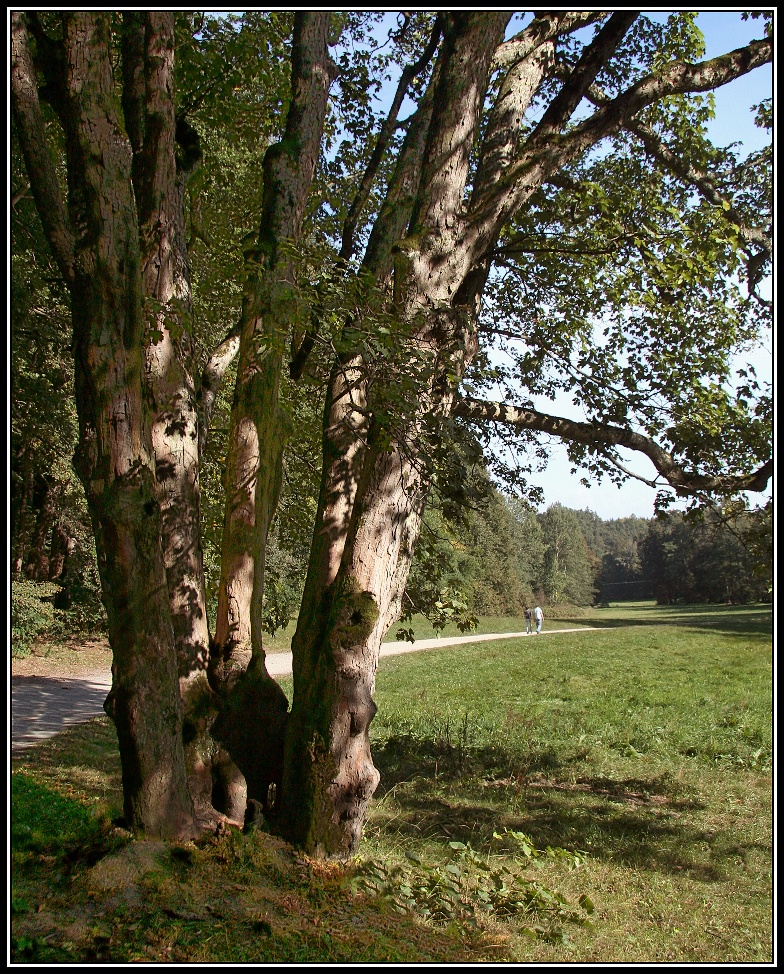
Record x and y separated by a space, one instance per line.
553 191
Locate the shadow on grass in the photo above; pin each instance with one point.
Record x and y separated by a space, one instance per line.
643 823
754 620
83 758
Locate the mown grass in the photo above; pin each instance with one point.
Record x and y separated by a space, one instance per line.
598 797
421 627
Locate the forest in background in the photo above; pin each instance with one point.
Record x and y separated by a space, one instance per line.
493 559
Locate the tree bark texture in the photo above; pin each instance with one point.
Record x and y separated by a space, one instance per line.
253 707
329 772
160 182
159 187
115 458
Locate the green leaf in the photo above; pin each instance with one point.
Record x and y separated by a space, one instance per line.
586 903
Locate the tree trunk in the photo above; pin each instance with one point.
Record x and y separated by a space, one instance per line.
22 507
114 457
159 185
37 561
60 551
253 707
329 773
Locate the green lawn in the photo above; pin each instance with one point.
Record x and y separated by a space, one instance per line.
648 747
598 797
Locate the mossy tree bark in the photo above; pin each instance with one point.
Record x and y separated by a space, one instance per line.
159 173
97 246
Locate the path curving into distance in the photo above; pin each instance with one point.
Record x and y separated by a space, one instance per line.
41 706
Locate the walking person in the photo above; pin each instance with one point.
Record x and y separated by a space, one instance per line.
539 617
528 624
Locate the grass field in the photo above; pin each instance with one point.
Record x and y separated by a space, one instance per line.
598 797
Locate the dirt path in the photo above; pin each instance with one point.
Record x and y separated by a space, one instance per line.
48 694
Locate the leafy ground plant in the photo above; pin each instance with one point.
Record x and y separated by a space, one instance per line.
468 888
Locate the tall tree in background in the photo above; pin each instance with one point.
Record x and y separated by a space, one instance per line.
498 223
569 567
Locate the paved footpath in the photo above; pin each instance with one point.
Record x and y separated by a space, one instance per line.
41 706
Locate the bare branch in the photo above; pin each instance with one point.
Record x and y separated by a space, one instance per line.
19 194
605 435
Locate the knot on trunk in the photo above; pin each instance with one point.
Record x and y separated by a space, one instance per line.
227 663
353 616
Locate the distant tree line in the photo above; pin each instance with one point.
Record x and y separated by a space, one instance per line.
489 556
504 555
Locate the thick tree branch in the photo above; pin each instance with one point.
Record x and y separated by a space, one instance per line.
605 435
395 213
470 40
301 353
289 164
535 52
591 61
35 147
212 378
50 61
676 78
527 59
410 71
485 216
544 26
539 157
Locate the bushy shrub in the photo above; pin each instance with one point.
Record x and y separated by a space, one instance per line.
32 613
